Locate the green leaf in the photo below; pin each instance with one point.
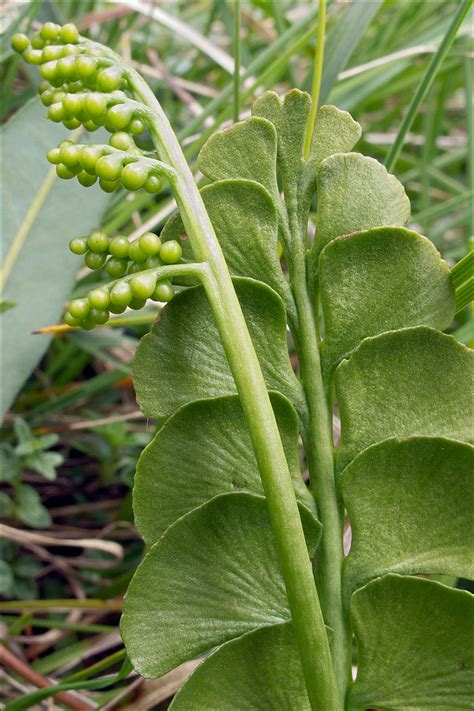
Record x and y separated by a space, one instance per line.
401 384
45 463
289 117
247 150
335 131
6 505
213 576
246 224
10 467
217 458
415 645
6 578
39 282
182 358
355 193
261 670
410 506
29 508
380 280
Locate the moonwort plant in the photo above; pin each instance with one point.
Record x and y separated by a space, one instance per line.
242 557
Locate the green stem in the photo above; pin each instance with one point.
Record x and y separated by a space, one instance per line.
318 442
318 72
426 82
296 568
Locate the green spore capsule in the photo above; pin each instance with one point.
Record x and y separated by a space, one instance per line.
72 104
20 42
153 184
137 304
69 33
54 156
87 324
135 267
58 97
89 157
67 68
135 252
63 172
136 126
121 294
98 241
116 309
142 285
69 50
171 252
150 244
118 247
109 186
116 267
95 104
70 155
34 56
52 52
119 116
71 123
48 71
78 245
86 179
94 260
134 176
85 66
43 86
91 126
99 298
122 141
50 31
109 79
37 42
109 167
152 263
164 291
79 308
99 316
47 97
71 320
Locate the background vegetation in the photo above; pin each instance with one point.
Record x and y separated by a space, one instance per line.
72 433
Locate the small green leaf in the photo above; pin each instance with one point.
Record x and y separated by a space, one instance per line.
415 645
289 117
6 505
10 464
335 131
261 670
216 457
29 508
247 150
380 280
401 384
6 305
45 463
410 506
246 224
186 598
182 358
355 193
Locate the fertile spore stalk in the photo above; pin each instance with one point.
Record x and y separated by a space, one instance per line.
87 84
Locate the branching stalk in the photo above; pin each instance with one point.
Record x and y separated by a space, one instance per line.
286 524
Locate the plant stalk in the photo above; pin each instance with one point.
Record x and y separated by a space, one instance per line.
286 524
318 443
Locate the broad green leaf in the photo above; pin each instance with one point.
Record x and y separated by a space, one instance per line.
289 117
247 150
217 458
213 576
335 131
246 224
261 670
29 509
415 645
410 506
380 280
37 281
402 384
355 193
182 358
